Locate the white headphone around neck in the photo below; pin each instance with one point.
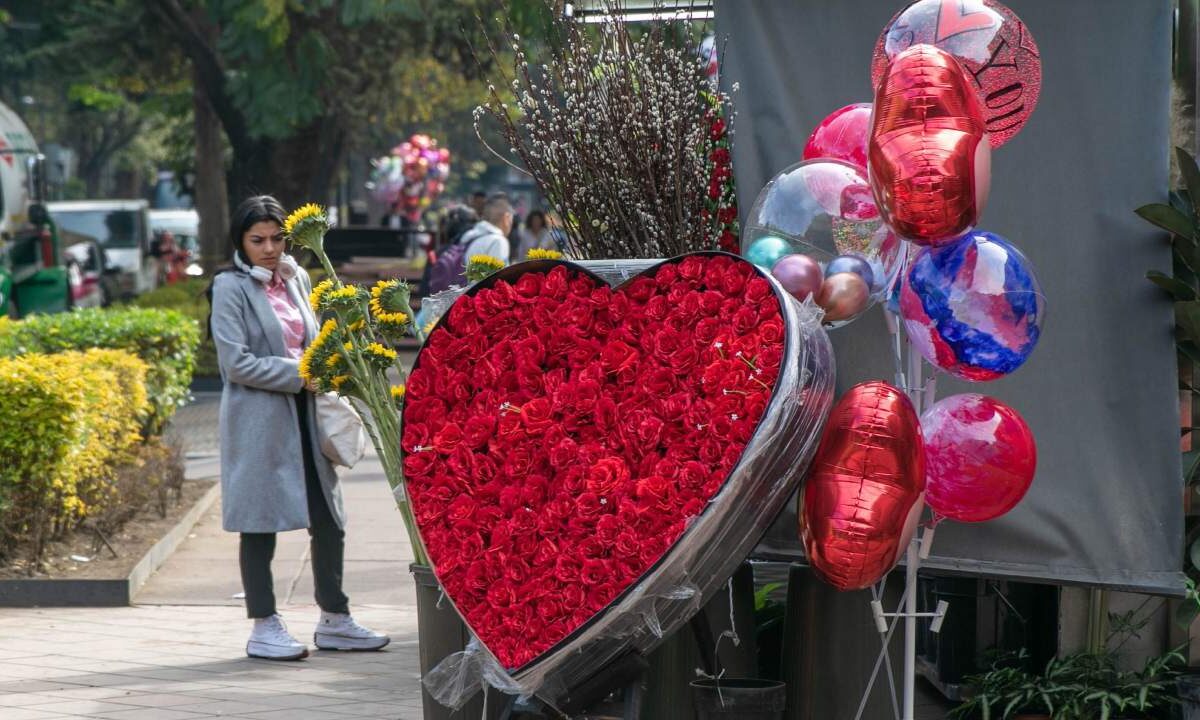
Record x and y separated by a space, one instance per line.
286 269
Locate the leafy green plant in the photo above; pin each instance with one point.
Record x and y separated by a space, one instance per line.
1180 217
164 339
187 298
1081 686
768 631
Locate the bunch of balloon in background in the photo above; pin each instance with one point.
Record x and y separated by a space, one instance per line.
884 208
412 176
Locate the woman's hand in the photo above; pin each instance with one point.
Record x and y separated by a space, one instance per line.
311 386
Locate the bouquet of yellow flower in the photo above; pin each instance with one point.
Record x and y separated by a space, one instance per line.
353 354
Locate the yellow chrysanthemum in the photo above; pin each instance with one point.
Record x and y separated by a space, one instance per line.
397 392
314 348
540 254
339 380
487 260
380 351
304 212
307 226
396 319
314 298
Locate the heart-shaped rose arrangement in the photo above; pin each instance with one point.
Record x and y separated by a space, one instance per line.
576 453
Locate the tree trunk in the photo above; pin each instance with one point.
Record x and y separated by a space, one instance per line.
212 196
292 169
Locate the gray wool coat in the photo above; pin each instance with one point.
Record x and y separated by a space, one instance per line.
262 462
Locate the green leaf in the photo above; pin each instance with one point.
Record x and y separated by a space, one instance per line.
1191 174
1178 289
1168 218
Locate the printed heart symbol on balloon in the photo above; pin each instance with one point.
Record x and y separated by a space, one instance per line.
587 463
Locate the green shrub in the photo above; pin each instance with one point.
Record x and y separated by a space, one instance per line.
187 297
165 339
67 422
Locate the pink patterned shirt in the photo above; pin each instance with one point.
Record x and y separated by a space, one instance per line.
289 317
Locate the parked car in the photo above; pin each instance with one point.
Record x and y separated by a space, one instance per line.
122 228
36 274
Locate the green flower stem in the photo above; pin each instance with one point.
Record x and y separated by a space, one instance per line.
383 426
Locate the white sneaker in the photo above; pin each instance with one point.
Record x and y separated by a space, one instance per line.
271 640
338 631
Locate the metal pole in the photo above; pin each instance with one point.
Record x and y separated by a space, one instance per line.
910 631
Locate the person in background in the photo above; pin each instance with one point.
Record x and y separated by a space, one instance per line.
273 475
490 234
395 217
535 234
478 200
457 220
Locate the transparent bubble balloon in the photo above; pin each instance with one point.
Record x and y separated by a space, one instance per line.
975 308
817 225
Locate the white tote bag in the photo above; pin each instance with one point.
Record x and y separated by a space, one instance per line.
340 430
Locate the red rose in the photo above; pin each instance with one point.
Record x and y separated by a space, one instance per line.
692 267
715 189
606 475
529 285
720 156
617 356
628 544
417 466
419 384
478 430
757 289
745 320
771 331
447 438
536 414
727 215
594 572
640 290
572 596
666 274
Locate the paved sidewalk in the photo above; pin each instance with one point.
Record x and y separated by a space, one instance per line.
179 654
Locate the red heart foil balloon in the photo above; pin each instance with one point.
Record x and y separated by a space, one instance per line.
930 161
862 498
585 463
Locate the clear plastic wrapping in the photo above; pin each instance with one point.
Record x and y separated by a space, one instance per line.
715 542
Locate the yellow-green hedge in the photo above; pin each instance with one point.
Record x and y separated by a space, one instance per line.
67 420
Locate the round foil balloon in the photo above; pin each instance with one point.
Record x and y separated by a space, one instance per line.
842 136
993 44
930 163
979 457
825 210
862 498
973 309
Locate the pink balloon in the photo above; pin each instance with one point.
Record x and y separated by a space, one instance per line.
842 136
980 457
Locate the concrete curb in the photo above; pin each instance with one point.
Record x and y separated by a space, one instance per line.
100 592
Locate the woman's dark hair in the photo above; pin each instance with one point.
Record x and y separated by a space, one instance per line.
535 214
254 209
459 219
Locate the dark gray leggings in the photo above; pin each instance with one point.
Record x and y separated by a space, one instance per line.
326 545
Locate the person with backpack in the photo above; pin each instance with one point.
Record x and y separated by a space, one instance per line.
446 264
488 236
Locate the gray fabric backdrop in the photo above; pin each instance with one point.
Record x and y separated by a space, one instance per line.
1100 390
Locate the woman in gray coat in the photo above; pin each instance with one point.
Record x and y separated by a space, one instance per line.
271 477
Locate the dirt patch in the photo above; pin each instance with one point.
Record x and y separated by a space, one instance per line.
131 543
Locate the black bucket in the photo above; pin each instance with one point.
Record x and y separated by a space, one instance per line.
1189 696
739 699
